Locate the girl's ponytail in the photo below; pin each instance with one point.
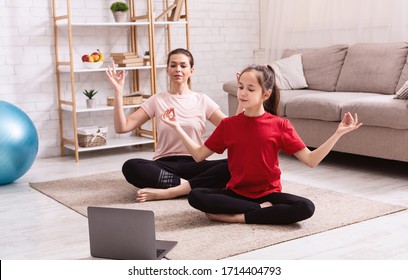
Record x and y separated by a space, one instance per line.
271 105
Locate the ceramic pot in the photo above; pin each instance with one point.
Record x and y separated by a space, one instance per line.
120 16
90 103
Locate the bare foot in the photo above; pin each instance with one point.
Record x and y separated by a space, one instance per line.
227 218
265 204
149 194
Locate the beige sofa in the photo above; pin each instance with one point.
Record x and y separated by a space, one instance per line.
360 78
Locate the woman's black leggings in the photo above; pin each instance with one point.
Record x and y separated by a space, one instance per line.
166 172
286 208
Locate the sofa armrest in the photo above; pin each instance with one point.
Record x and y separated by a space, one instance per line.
231 88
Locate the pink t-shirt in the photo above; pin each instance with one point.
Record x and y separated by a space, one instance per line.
192 111
253 145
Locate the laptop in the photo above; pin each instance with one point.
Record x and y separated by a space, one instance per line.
125 234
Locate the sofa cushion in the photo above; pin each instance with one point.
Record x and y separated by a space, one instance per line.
321 66
318 105
404 76
287 96
379 110
373 67
402 93
289 72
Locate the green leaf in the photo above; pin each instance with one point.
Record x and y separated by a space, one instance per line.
90 93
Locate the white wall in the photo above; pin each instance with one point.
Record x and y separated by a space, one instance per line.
319 23
223 33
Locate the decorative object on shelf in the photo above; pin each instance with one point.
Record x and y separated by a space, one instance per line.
93 60
119 10
93 65
90 94
92 136
146 58
175 10
127 59
135 98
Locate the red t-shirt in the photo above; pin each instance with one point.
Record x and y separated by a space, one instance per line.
253 145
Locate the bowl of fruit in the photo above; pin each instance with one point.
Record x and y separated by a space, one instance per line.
94 60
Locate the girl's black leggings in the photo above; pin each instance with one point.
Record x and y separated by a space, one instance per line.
166 172
286 208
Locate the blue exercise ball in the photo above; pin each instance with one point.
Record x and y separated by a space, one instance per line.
18 143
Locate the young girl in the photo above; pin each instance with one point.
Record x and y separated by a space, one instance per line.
253 139
161 178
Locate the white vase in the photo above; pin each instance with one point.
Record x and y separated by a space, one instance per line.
120 16
146 60
90 103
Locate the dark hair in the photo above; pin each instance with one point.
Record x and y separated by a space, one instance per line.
186 53
181 51
266 79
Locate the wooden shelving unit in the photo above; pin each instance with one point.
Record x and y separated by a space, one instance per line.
67 67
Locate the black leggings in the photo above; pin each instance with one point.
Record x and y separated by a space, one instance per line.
166 172
286 208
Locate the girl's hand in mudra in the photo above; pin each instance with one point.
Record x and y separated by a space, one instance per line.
169 117
348 124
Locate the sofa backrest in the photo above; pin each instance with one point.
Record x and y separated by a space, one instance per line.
377 67
321 66
373 67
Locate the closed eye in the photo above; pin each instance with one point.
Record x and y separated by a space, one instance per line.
181 65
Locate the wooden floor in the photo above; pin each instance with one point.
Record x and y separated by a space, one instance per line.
34 226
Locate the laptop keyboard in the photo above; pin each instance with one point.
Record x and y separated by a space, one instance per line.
159 252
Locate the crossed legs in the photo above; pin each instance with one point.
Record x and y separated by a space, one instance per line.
226 206
163 178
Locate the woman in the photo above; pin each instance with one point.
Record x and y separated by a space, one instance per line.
172 172
254 139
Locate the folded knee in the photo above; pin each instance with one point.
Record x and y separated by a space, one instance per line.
195 198
308 208
129 167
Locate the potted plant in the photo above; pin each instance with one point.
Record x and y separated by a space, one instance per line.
119 10
90 94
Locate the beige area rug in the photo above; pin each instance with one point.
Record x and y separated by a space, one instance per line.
199 238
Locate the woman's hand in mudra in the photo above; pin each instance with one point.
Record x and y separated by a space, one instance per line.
116 78
169 117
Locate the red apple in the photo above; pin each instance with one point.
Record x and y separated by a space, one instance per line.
85 58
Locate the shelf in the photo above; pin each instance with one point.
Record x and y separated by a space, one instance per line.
118 24
115 143
66 69
95 109
66 64
103 24
180 22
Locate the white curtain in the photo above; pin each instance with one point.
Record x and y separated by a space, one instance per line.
319 23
